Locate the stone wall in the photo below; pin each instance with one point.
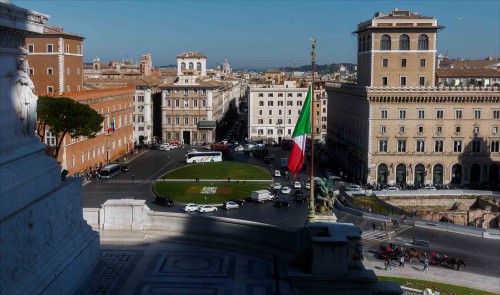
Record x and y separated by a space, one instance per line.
429 201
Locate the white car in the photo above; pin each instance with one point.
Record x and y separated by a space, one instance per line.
230 205
353 187
207 208
277 173
392 189
191 151
207 147
277 186
286 190
239 149
429 188
297 184
190 207
308 185
165 147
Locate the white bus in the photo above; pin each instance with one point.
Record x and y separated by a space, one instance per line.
203 157
109 171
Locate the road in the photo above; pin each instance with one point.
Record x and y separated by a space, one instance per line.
482 255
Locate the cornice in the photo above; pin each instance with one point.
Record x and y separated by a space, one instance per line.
11 11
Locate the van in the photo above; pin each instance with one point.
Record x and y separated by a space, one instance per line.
261 196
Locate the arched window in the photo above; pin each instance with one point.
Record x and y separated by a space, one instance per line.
423 42
191 66
401 174
385 42
198 66
183 66
359 44
382 174
404 42
364 43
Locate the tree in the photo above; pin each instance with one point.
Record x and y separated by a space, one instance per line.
63 115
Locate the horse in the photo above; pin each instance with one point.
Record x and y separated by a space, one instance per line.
455 261
413 253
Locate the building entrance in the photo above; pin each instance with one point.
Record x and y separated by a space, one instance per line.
186 137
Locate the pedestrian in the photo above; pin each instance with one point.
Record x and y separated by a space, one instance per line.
125 159
374 226
402 261
426 265
133 177
387 264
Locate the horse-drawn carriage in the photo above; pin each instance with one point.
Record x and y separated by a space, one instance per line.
444 260
394 252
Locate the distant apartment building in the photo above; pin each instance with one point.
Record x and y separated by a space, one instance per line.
396 127
113 141
56 61
193 105
117 69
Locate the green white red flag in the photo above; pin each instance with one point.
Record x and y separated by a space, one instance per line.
302 129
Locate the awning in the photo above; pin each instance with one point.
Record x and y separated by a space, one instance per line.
206 125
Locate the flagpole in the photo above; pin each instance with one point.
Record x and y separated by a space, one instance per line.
311 197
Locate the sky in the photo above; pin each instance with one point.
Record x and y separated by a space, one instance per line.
258 34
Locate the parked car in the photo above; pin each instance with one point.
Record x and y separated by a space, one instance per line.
300 199
262 196
207 208
281 204
429 188
239 149
392 189
308 185
277 173
207 147
277 186
190 207
353 187
164 201
230 205
239 202
286 190
125 168
297 184
191 151
165 147
299 192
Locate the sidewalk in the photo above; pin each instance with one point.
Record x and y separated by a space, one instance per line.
437 274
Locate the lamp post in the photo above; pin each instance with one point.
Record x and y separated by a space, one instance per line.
311 198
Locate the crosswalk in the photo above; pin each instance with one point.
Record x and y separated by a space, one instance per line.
372 238
129 181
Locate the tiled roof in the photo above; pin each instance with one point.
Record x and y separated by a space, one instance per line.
467 73
53 30
200 84
191 55
469 64
135 81
401 14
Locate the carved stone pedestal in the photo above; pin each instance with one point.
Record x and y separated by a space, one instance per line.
46 247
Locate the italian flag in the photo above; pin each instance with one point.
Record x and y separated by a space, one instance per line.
302 128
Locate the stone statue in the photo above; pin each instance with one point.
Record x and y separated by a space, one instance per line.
25 99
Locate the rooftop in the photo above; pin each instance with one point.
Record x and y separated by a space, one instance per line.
191 55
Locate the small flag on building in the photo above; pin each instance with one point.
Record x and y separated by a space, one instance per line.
299 136
111 127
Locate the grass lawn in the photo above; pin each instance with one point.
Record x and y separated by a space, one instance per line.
220 170
190 192
443 288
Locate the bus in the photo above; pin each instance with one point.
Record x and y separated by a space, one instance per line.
203 157
109 171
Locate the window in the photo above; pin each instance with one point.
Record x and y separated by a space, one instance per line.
50 48
289 103
476 146
439 129
495 129
269 131
81 158
177 120
177 103
289 95
270 121
261 103
458 114
167 92
401 129
260 131
299 103
50 139
383 129
260 112
269 103
186 92
140 98
403 62
439 114
261 94
78 71
50 71
476 129
195 121
421 81
31 71
420 146
269 95
438 146
280 103
382 145
186 103
422 63
384 81
496 114
299 94
495 146
67 48
477 114
385 62
195 103
186 120
78 51
289 121
420 129
458 129
385 42
204 103
402 114
72 161
401 146
421 114
270 112
383 114
457 146
423 42
279 112
31 48
280 94
403 81
404 42
260 121
50 89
